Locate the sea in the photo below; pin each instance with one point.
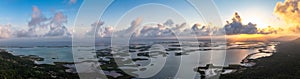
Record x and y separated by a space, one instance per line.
191 54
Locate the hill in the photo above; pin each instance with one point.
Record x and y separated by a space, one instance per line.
15 67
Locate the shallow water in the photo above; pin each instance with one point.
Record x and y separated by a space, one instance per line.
51 55
222 54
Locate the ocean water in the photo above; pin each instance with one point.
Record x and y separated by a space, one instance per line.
50 50
222 53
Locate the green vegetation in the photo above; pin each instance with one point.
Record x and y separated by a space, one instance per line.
15 67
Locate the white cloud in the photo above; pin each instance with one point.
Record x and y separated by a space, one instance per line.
95 28
106 32
5 31
57 25
41 26
290 13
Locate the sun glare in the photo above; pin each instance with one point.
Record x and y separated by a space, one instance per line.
247 37
256 16
260 23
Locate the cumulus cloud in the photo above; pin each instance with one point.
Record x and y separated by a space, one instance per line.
134 26
180 27
41 26
136 30
169 29
270 30
203 30
5 31
57 27
36 26
165 29
169 23
107 32
132 30
95 27
236 26
289 12
37 18
99 31
155 31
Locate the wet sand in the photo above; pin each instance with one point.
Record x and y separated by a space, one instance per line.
284 64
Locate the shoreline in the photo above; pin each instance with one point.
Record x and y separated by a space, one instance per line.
231 67
284 64
12 65
51 71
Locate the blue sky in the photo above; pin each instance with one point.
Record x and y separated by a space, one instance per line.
18 12
182 6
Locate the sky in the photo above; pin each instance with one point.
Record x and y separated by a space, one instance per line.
251 10
18 13
248 8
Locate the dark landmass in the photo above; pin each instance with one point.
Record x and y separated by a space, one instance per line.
284 64
16 67
32 57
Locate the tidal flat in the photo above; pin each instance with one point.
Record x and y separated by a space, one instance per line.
163 55
284 64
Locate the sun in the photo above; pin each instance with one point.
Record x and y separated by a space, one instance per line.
256 16
260 23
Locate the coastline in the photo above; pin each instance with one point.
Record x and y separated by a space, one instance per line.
16 67
284 64
242 73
